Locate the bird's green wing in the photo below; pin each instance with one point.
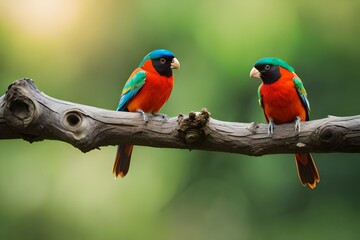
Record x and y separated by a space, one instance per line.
302 94
131 88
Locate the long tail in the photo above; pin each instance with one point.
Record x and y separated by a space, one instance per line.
122 160
307 171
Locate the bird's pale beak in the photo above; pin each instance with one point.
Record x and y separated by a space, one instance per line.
254 73
175 64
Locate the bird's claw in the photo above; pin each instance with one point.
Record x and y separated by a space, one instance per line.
143 114
163 116
297 124
271 127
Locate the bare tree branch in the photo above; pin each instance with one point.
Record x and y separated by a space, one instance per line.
26 112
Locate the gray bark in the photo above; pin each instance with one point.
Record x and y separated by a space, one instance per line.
28 113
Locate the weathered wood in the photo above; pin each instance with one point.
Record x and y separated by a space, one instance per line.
26 112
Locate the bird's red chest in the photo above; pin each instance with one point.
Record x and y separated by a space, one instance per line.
281 101
153 94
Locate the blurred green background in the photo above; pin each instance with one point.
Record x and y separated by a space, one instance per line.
84 51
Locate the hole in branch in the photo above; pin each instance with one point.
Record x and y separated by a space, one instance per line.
75 123
73 119
331 136
20 108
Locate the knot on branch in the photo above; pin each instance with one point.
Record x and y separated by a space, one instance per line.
20 108
191 129
75 123
329 136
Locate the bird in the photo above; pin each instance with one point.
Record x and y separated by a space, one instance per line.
284 100
146 90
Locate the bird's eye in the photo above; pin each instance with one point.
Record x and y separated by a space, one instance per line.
267 67
162 60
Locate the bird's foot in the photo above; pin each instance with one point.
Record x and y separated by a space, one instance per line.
271 127
297 124
143 114
163 116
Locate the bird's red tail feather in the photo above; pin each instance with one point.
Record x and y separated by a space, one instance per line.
122 160
307 171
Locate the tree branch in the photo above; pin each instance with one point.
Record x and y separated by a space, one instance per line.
26 112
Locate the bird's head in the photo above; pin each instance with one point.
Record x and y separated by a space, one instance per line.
269 69
162 60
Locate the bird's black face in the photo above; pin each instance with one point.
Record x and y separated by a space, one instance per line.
269 73
163 65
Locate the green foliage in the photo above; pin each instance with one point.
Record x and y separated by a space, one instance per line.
84 51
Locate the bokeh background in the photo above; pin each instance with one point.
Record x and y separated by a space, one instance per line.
84 51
